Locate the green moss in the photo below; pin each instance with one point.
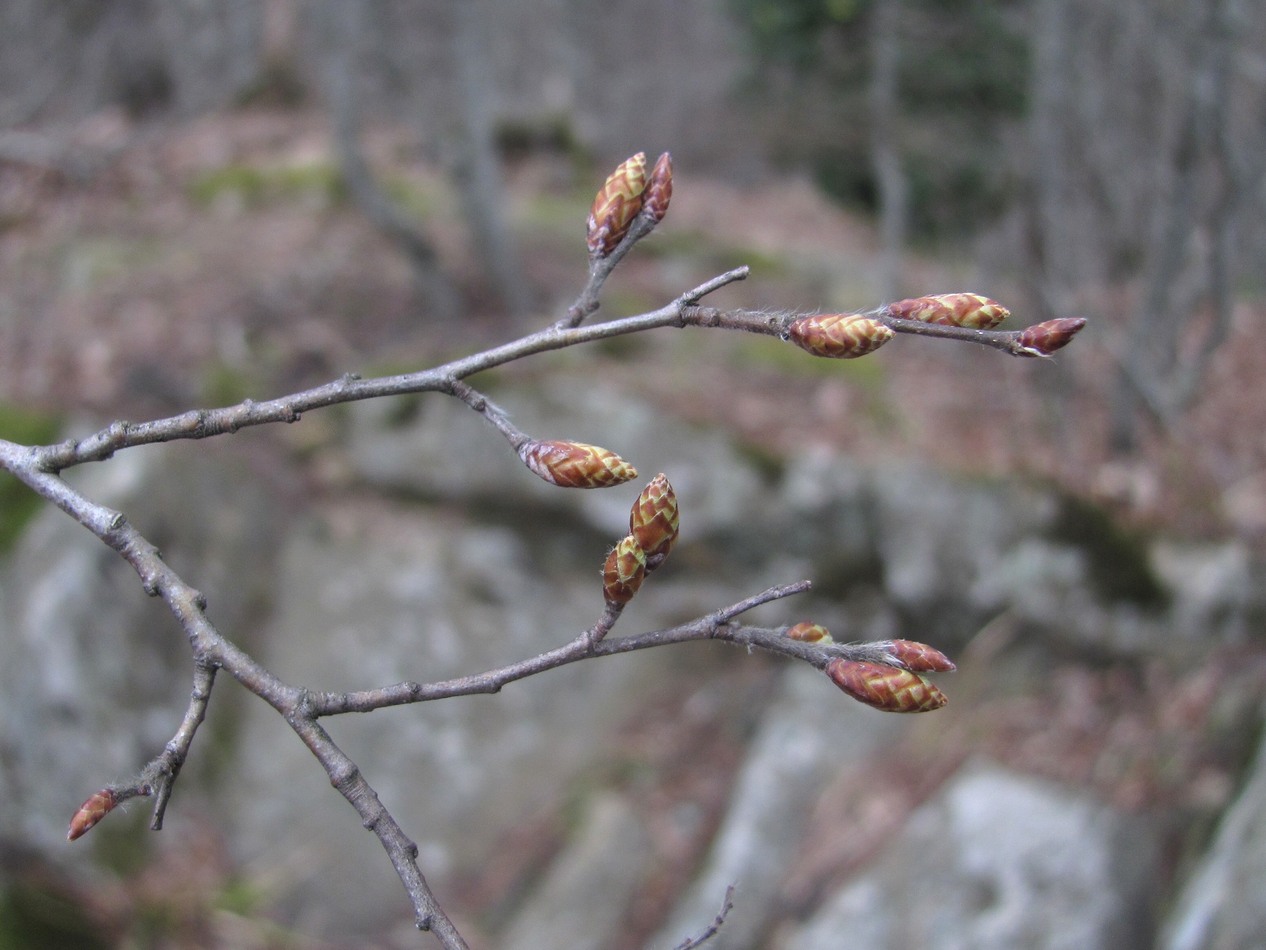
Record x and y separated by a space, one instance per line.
254 186
34 916
18 504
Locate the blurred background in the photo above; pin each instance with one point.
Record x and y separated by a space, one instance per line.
202 202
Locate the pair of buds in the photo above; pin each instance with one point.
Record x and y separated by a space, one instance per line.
628 192
894 685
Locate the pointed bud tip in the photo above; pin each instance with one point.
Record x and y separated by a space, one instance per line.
1043 339
886 688
575 464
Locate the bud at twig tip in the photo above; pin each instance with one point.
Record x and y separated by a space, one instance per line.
654 521
659 189
98 805
918 657
1043 339
575 464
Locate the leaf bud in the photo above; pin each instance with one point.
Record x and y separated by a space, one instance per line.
616 205
98 805
841 336
659 189
654 521
885 687
957 310
808 632
917 657
623 572
575 464
1043 339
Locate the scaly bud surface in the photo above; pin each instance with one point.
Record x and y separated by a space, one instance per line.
654 520
616 205
659 189
885 687
98 805
918 657
575 464
840 336
1043 339
957 310
808 632
623 572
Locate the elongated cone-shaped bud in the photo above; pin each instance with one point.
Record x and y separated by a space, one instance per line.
957 310
575 464
1043 339
841 336
623 572
885 687
808 632
918 657
98 805
654 521
659 189
616 205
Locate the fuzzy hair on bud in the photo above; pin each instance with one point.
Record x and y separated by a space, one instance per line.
957 310
840 336
808 632
917 657
885 687
659 189
623 572
98 805
654 520
1043 339
575 464
616 205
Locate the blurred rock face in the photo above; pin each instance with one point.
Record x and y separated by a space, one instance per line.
449 561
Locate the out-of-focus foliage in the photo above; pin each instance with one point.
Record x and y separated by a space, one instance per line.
963 75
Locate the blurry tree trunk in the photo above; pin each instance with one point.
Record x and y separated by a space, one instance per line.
1189 259
885 117
475 164
344 28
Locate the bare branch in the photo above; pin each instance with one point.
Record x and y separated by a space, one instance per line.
727 905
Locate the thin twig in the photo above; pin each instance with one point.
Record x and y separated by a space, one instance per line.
727 905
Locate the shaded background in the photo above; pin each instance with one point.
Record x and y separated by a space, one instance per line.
202 202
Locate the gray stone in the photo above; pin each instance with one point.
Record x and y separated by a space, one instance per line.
995 862
1223 904
803 739
581 902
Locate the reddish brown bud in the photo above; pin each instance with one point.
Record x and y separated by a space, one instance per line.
659 189
885 687
623 572
616 205
957 310
918 657
808 632
98 805
841 336
654 520
575 464
1043 339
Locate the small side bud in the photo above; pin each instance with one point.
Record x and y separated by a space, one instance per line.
575 464
98 805
616 205
957 310
654 520
840 336
809 632
885 687
917 657
623 572
659 189
1043 339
